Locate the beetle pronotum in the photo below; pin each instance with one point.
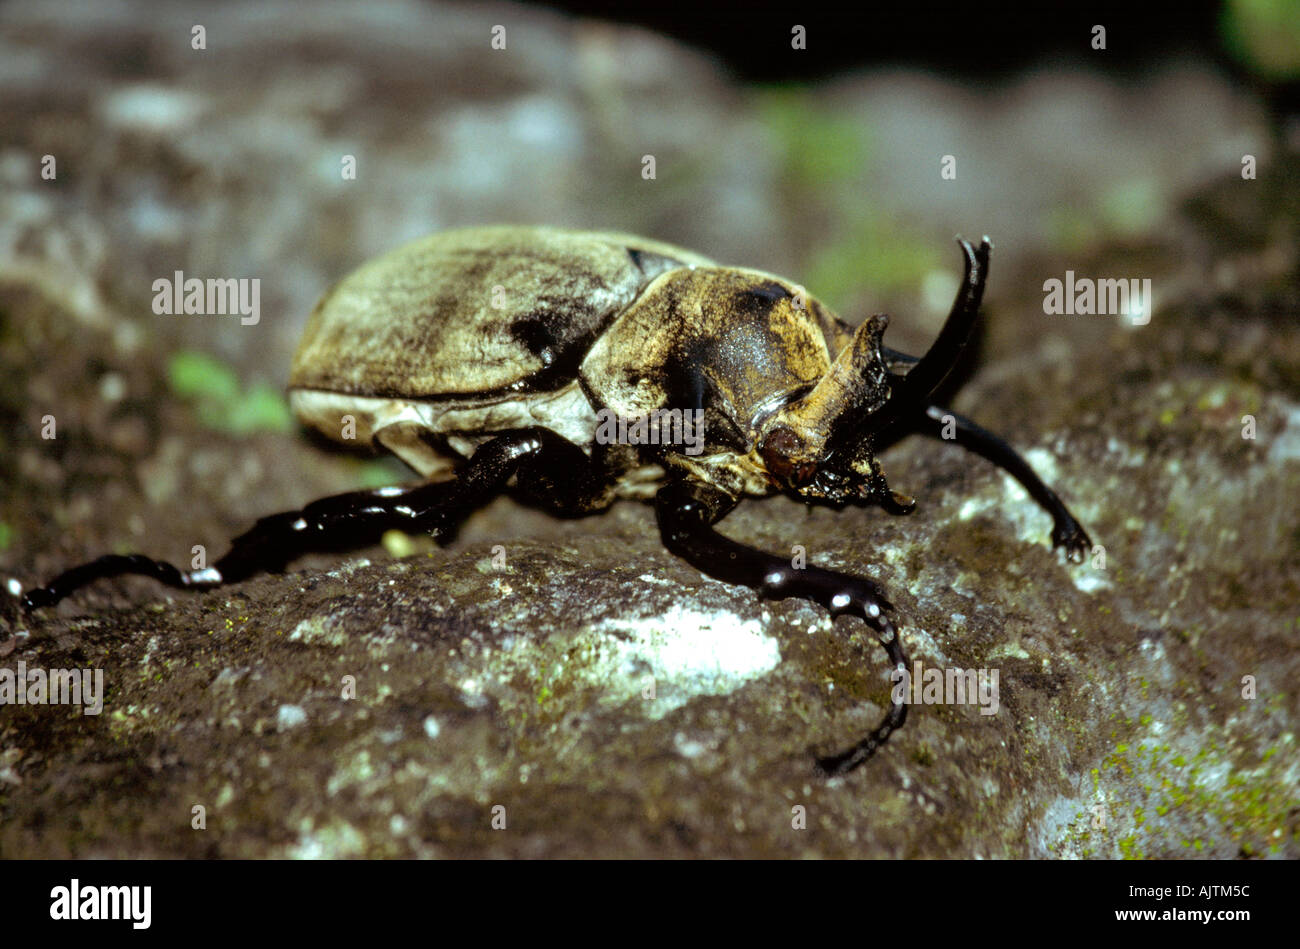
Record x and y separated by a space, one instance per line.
505 346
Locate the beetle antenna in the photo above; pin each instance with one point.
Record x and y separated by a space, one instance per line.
914 388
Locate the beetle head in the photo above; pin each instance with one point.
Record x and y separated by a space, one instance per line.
820 446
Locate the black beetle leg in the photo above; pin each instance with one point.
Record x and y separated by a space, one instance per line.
564 479
1067 532
339 522
687 512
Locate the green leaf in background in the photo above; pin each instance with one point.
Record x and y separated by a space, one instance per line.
1264 35
871 254
195 374
214 390
1132 206
824 156
817 146
381 472
262 409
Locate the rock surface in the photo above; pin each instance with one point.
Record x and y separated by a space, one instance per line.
610 698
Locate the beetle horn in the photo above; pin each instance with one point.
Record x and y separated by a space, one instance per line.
859 395
914 389
856 384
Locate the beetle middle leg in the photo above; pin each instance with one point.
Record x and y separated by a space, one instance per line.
1067 532
687 512
564 480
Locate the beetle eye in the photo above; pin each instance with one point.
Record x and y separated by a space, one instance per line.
776 449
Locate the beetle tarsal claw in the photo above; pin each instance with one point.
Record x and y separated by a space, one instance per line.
1069 534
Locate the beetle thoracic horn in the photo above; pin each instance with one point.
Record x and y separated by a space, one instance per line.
856 385
912 391
859 396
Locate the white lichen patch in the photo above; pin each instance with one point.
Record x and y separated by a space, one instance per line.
1129 456
331 842
1286 444
921 642
974 506
1044 463
688 653
1088 580
688 747
325 630
289 716
151 108
1011 650
662 661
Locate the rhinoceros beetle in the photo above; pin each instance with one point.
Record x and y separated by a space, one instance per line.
513 347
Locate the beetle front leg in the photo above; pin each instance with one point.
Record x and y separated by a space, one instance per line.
1067 532
687 511
340 522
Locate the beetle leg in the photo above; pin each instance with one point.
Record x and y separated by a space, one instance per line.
687 511
1067 532
564 480
339 522
347 521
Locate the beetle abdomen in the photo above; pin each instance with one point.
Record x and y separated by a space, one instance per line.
428 434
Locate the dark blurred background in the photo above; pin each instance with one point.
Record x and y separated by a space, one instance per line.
967 40
973 40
